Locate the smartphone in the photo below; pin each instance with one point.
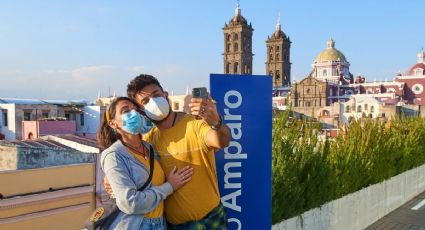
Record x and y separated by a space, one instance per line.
200 92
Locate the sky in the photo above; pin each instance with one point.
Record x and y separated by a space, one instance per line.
78 49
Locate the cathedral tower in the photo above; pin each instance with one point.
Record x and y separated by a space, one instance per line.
278 64
238 45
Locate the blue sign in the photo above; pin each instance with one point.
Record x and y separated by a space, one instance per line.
244 168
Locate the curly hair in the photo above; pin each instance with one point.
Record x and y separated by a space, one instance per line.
139 82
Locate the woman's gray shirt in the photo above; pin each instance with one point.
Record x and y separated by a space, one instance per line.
125 175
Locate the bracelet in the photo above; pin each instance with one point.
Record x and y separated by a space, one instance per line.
218 126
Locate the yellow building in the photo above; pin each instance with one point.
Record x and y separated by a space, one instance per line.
180 103
46 185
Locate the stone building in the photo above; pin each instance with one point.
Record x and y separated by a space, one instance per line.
310 92
238 45
278 64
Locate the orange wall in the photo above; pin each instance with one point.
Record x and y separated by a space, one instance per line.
38 180
64 219
66 207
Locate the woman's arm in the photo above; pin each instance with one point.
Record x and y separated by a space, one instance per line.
129 199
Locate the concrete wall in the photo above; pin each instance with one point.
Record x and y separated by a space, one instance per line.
13 157
8 159
362 208
36 113
59 197
30 130
42 179
56 127
43 128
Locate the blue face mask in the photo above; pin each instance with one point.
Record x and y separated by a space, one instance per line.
132 122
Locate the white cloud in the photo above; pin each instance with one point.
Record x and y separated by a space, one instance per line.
137 69
85 82
87 73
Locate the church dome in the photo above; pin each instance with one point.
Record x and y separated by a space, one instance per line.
278 33
238 19
419 67
330 54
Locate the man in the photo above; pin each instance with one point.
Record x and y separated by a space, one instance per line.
181 139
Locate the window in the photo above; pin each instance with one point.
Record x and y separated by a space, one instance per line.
365 107
45 115
235 37
325 73
418 72
277 53
81 119
227 37
308 90
235 68
417 88
5 119
228 68
391 90
176 106
347 109
235 47
359 108
307 104
27 116
270 53
67 116
372 109
277 75
228 47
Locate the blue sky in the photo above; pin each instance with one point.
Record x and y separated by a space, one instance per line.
74 49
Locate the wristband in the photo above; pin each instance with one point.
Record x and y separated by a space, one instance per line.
218 126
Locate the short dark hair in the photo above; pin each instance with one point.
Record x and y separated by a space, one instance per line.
139 82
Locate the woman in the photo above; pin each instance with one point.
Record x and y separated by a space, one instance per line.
125 162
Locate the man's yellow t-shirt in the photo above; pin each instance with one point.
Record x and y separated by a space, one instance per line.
158 178
181 145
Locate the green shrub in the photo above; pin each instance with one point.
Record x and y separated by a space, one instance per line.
308 172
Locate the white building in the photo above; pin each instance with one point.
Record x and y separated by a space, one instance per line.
360 106
15 111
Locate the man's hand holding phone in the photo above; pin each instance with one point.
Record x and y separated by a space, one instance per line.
204 107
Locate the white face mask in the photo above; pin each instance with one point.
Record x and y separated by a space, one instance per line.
157 108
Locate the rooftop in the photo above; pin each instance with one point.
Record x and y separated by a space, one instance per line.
39 143
21 101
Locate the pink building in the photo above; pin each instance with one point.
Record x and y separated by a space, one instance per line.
415 82
36 129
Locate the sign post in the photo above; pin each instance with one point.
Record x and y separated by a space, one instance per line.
244 167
